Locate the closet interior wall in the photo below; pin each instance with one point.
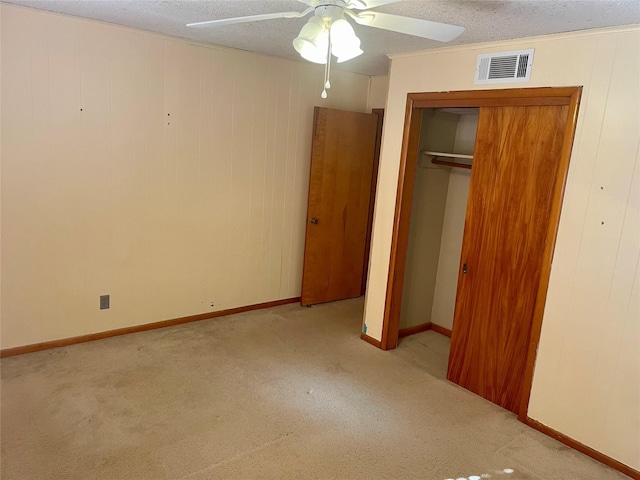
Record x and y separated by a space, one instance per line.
437 220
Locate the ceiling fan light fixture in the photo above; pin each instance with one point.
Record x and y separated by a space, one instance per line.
328 32
349 55
344 42
312 42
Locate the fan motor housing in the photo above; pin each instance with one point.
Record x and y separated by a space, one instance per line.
329 12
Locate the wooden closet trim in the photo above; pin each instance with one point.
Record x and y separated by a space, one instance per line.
400 235
408 162
372 198
512 97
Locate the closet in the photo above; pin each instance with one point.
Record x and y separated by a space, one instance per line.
484 274
441 188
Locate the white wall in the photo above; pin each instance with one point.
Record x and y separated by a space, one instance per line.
444 297
587 376
170 175
465 140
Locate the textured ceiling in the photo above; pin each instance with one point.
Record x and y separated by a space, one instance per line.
484 21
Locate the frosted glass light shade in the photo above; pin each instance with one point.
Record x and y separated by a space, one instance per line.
312 42
344 43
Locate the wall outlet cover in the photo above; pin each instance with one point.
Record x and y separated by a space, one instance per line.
104 302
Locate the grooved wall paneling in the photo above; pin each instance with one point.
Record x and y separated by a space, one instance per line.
586 382
170 175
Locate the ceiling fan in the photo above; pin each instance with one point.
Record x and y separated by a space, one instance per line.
329 33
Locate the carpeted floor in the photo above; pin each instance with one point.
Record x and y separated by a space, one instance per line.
283 393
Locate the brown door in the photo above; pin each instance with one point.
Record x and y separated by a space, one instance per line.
516 159
342 160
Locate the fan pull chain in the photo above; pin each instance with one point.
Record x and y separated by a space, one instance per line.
327 84
327 69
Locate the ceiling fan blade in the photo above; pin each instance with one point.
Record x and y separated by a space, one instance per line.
366 4
442 32
251 18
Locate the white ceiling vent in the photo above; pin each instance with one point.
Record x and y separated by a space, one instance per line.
504 67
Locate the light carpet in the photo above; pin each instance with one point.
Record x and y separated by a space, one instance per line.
281 393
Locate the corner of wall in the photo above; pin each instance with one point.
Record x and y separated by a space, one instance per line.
378 87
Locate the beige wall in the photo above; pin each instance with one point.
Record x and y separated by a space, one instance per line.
587 376
1 194
378 87
170 175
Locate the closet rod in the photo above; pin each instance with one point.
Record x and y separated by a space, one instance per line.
450 155
437 161
436 158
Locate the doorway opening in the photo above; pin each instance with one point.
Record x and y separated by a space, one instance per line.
441 187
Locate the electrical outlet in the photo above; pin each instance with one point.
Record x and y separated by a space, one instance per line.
104 302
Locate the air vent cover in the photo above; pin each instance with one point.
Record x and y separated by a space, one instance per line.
504 67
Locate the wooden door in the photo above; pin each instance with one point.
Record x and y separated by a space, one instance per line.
516 160
342 161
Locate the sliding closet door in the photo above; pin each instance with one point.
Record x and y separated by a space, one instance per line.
516 160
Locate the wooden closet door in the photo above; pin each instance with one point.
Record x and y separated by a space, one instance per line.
515 163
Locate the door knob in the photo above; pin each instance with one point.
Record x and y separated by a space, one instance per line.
464 268
314 221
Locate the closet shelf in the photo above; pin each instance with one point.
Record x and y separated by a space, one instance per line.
436 158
